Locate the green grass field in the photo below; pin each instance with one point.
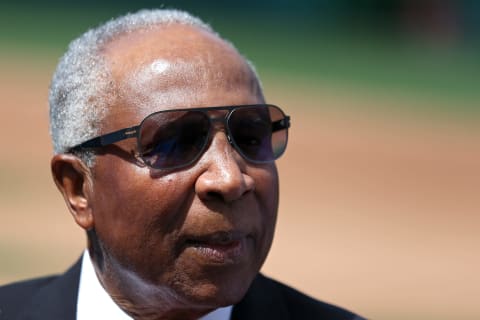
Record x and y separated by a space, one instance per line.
306 52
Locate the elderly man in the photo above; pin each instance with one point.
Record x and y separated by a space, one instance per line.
164 154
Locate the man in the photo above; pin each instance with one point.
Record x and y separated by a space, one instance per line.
164 154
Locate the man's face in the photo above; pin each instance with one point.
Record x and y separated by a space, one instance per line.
199 234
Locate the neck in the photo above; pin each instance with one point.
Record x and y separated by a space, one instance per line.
140 299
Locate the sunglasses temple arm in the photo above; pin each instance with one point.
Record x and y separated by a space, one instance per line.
108 138
281 124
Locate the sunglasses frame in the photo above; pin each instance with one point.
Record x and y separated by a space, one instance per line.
134 132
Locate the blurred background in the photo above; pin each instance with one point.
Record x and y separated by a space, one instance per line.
380 185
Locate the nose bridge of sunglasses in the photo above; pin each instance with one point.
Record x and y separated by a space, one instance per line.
219 124
218 120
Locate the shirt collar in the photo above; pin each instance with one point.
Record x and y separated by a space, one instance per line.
94 303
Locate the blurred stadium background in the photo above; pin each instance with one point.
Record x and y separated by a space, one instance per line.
380 205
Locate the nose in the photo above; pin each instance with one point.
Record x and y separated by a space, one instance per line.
224 176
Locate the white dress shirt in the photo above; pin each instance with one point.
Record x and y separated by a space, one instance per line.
94 303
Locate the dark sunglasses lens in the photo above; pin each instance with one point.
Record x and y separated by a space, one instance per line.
172 139
257 132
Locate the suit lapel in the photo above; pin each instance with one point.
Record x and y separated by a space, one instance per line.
57 300
262 301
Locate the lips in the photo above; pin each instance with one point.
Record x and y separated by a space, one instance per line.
218 247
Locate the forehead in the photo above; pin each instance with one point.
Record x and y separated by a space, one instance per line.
172 41
176 66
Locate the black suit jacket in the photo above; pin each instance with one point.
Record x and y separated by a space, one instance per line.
55 298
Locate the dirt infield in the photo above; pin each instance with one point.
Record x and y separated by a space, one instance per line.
379 213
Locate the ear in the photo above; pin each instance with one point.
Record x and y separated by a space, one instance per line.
74 180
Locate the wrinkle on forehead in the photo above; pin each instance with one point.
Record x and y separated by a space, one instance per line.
183 78
163 66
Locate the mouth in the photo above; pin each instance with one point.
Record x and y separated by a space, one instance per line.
223 247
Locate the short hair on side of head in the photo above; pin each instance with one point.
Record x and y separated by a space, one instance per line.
82 88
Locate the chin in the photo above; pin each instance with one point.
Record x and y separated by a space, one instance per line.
213 296
216 280
219 290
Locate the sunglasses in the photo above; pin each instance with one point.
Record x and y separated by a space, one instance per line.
172 139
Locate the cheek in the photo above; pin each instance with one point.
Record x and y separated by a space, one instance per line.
266 192
134 213
267 189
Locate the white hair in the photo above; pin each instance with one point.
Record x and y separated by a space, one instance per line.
82 88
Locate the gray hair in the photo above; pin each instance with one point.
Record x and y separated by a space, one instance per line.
82 88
